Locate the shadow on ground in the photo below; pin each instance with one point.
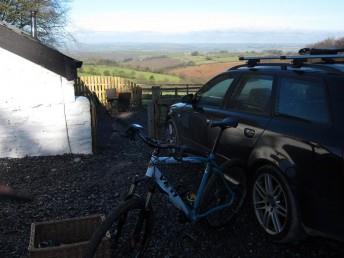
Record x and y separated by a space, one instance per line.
70 186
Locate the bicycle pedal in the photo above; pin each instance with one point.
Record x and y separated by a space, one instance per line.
190 197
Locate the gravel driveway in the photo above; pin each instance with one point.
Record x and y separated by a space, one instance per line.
70 186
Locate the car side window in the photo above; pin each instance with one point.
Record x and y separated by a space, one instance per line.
215 94
254 94
303 99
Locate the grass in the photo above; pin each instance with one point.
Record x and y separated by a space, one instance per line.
176 67
207 58
135 75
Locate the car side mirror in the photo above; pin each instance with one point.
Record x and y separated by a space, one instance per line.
189 99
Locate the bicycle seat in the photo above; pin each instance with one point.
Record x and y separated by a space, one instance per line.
225 123
136 127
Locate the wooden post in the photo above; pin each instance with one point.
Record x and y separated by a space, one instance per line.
150 119
187 89
156 91
93 125
153 113
176 92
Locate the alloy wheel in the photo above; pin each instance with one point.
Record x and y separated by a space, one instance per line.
270 203
171 134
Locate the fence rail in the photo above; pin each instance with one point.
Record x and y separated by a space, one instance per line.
176 90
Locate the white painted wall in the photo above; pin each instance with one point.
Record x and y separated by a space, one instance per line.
39 114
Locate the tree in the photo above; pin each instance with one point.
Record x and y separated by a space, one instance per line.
329 43
51 17
106 73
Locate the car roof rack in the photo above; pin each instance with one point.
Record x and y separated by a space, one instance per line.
284 66
326 55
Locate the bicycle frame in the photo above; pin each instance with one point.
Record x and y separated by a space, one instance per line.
191 212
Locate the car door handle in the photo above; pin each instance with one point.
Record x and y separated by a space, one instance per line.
249 132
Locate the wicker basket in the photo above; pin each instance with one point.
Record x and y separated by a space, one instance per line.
66 238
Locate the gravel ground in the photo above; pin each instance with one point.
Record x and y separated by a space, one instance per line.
71 186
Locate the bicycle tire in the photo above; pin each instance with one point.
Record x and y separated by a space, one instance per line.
215 192
116 216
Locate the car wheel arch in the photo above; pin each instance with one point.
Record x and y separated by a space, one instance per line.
261 156
287 169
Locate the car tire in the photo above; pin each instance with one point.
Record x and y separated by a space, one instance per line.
275 206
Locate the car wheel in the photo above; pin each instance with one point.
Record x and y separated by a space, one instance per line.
275 206
171 132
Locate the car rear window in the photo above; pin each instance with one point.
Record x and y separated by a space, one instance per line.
254 94
303 99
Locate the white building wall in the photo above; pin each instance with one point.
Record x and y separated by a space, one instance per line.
39 114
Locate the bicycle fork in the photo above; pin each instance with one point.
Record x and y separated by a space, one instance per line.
137 239
133 186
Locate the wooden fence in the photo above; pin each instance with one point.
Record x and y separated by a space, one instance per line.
158 107
170 90
99 84
94 87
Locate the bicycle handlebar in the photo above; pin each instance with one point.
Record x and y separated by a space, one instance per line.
228 122
136 129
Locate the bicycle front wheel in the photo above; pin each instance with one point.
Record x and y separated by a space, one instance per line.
130 226
229 188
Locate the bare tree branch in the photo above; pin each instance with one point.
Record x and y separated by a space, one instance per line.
51 17
329 43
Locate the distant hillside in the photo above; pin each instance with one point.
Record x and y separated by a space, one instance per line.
202 73
121 51
329 43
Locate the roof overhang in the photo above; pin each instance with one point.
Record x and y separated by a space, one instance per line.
31 49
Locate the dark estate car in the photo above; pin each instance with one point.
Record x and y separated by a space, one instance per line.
290 137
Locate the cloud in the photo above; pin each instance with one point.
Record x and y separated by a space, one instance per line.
182 22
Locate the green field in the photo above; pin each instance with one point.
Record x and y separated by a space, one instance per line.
205 58
135 75
147 67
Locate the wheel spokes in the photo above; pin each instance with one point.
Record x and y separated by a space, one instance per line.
260 190
266 219
268 184
276 222
270 203
260 205
277 191
171 134
281 210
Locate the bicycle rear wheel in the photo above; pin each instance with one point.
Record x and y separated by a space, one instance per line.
217 193
130 226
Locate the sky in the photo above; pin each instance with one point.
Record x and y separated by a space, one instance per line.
185 16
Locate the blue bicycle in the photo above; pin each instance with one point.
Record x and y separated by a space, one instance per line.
219 196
